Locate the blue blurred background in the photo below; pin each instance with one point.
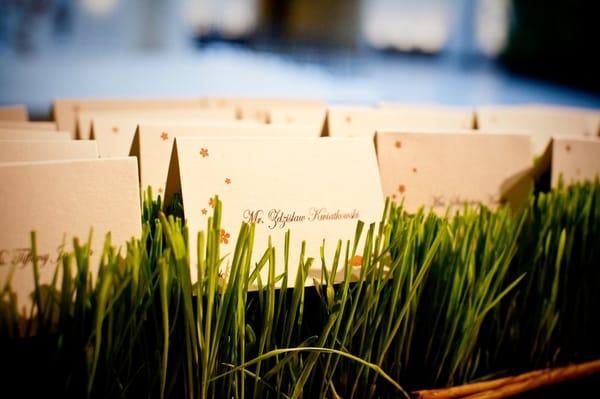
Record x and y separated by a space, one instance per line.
458 52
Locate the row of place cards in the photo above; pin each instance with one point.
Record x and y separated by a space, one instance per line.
268 167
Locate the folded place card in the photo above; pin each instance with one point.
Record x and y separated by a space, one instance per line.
103 124
65 111
541 122
306 115
237 102
28 134
365 121
13 113
573 159
317 188
441 170
153 143
61 200
17 125
46 150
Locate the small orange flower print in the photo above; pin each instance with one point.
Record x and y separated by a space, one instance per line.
164 136
568 148
357 260
228 181
160 190
204 211
348 119
211 202
204 152
115 129
224 237
401 188
414 170
398 144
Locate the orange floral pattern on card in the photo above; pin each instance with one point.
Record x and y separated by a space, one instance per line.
164 136
398 144
211 202
224 237
204 211
357 260
204 152
228 181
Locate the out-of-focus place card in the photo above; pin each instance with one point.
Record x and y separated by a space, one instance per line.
66 111
319 190
46 150
61 200
541 122
17 125
306 115
112 124
13 113
365 121
153 143
441 170
28 134
575 159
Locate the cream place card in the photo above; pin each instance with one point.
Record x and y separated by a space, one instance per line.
103 123
61 200
153 143
17 113
365 121
317 188
46 150
440 116
575 159
28 134
65 111
307 115
541 122
16 125
442 170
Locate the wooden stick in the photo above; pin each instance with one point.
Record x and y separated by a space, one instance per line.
549 377
521 382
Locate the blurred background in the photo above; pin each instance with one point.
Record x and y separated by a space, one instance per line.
456 52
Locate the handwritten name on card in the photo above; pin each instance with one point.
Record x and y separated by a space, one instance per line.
46 150
441 170
317 188
153 143
63 200
365 121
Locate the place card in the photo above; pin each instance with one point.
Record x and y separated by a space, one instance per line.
153 143
365 121
28 134
66 111
574 159
317 188
61 200
13 113
19 125
541 122
114 124
46 150
442 170
306 115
